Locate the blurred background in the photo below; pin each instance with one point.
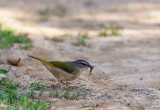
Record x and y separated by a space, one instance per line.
121 38
59 17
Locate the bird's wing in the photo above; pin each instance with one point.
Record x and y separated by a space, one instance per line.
66 66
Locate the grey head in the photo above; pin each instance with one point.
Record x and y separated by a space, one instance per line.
83 64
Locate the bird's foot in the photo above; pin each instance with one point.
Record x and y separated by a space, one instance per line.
63 83
52 80
68 83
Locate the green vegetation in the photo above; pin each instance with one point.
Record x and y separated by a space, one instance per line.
27 46
103 33
56 39
81 40
59 38
26 104
110 32
11 99
60 11
36 86
3 71
8 38
67 94
67 35
8 83
86 105
44 14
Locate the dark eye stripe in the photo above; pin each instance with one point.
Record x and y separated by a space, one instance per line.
83 64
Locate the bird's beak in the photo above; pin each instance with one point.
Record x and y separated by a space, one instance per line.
91 68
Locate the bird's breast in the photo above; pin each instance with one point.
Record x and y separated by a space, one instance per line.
65 76
77 73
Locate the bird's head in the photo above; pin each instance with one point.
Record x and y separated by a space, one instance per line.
83 64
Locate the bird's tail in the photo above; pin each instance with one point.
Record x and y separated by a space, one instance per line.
45 63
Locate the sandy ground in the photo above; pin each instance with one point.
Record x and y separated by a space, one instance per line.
127 68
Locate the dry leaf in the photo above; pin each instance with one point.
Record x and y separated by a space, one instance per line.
14 61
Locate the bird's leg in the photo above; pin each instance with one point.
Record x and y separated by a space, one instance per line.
63 83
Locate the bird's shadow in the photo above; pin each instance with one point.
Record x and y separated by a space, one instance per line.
59 86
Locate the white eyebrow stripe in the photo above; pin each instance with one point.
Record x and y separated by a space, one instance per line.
85 62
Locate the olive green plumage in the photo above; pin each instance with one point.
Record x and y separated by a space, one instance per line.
66 66
43 61
65 71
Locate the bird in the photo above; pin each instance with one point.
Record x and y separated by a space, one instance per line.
65 70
